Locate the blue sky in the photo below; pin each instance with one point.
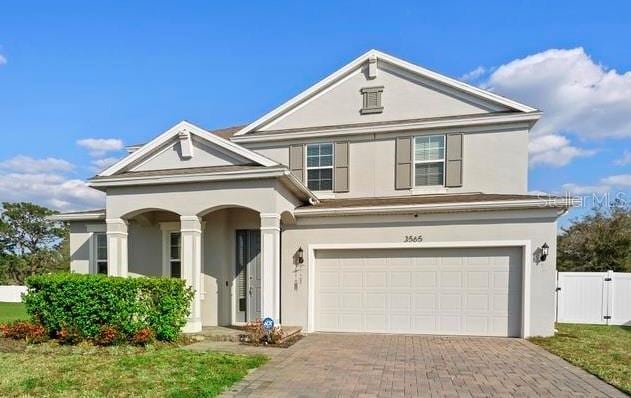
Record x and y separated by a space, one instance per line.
71 71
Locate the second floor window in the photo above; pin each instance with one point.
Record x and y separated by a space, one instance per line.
429 160
101 253
320 167
175 252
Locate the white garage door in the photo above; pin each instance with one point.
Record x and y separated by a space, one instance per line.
432 291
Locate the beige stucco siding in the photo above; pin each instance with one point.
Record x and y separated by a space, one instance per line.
404 97
266 196
79 247
144 248
435 228
204 155
493 162
219 261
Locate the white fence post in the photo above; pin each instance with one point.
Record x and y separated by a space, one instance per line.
608 290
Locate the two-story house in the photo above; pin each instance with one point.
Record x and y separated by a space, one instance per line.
385 198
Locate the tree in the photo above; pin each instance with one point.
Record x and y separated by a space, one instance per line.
599 241
30 242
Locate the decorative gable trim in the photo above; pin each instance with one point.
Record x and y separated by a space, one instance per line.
186 144
369 58
188 129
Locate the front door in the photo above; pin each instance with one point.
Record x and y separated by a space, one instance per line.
248 272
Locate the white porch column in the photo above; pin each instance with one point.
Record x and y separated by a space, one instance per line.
270 266
191 230
116 246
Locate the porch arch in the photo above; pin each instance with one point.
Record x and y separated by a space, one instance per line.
212 209
134 213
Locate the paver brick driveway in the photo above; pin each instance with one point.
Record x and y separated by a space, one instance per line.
353 365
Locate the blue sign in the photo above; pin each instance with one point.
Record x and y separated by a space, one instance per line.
268 324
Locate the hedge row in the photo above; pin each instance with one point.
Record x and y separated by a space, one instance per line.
85 304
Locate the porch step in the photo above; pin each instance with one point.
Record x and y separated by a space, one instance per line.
234 333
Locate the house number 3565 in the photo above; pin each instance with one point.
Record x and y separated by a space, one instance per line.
413 238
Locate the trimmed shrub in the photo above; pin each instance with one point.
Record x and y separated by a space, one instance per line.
142 337
108 336
24 330
84 304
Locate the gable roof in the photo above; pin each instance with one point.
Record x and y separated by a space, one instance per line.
210 137
330 80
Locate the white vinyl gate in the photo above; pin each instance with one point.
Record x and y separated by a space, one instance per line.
594 297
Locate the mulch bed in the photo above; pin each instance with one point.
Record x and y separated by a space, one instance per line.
286 343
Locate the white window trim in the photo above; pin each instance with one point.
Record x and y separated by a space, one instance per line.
174 226
167 229
421 188
332 167
525 245
93 230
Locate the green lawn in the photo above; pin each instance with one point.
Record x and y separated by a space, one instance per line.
604 351
43 370
12 311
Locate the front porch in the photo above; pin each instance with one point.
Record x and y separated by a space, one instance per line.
229 255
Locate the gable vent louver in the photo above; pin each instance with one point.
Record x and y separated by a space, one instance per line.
372 100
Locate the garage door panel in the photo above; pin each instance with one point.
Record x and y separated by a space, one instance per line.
401 302
500 280
375 301
424 279
444 291
329 301
476 325
328 321
478 279
377 321
401 323
425 301
450 279
400 279
449 324
352 279
375 279
425 324
450 302
477 302
329 279
351 321
352 301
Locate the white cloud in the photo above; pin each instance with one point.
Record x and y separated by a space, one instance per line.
576 95
474 74
27 164
554 150
100 146
51 190
621 180
606 184
3 60
43 181
625 159
102 164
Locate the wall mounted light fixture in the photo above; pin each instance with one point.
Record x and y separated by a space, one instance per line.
544 252
300 254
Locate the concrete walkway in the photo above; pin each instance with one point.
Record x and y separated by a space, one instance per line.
353 365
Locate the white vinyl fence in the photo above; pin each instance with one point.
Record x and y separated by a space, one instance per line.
11 294
594 297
